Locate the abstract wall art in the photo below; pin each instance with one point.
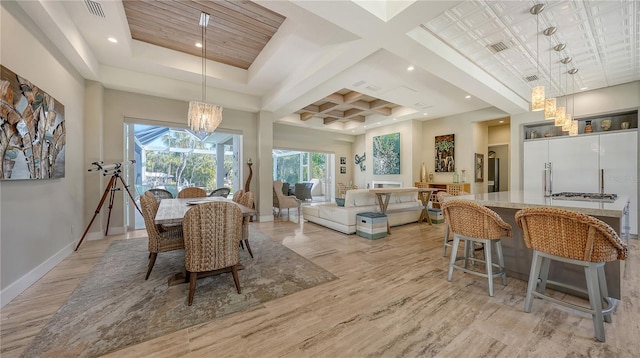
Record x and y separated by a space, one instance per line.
445 153
32 130
386 154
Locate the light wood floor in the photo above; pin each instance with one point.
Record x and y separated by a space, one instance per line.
392 299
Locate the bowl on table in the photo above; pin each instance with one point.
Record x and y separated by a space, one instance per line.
340 201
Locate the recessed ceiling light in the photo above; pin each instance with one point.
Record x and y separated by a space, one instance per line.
410 68
425 114
365 126
501 122
113 39
584 88
198 45
467 96
394 119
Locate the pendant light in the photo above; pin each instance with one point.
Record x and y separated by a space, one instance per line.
550 103
203 117
561 111
537 92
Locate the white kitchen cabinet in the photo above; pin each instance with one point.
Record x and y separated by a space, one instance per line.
576 163
536 155
619 160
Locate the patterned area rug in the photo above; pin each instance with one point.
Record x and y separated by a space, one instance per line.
114 307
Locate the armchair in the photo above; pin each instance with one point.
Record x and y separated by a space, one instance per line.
282 201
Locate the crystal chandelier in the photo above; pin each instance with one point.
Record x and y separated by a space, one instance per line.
537 92
204 117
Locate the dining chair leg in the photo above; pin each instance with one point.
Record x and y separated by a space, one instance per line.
152 261
246 241
193 277
234 272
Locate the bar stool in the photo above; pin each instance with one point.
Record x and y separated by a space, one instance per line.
441 197
475 223
574 238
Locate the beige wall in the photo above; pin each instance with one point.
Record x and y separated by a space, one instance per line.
499 134
41 220
470 138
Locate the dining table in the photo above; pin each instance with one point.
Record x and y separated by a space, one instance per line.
172 211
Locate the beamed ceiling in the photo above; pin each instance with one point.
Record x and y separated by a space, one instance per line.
346 105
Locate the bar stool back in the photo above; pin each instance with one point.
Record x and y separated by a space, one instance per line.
475 223
574 238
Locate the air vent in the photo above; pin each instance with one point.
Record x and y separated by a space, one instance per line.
372 88
94 8
499 46
531 78
359 83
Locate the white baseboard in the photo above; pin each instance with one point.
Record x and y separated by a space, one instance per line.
24 282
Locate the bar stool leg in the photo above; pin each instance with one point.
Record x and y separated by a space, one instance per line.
487 261
591 272
446 241
604 292
544 273
454 252
533 281
500 260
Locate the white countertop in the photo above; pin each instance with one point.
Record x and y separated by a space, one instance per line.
521 200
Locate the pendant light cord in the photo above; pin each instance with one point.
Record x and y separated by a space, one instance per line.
204 64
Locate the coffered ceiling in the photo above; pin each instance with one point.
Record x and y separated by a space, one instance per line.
294 58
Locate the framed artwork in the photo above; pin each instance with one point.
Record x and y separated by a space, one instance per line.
445 153
343 160
479 167
343 170
386 154
32 130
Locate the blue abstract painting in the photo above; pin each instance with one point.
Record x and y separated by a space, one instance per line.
386 154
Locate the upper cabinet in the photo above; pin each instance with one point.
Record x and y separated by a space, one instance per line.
599 124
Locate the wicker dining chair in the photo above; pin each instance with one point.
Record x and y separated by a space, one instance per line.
577 239
212 234
160 240
474 223
223 192
192 192
237 195
161 194
246 200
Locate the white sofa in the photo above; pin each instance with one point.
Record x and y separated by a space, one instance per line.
403 208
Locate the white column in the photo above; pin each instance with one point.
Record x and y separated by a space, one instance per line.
263 167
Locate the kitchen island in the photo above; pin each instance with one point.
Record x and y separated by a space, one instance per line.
517 256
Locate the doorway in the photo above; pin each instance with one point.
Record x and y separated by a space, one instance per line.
302 167
498 168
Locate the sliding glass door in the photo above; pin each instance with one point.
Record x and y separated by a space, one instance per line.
296 167
176 158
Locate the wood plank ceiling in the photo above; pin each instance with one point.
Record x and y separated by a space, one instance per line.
346 105
237 31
